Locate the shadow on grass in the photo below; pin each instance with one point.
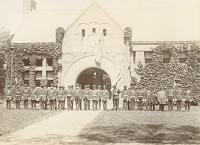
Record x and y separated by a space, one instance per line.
142 133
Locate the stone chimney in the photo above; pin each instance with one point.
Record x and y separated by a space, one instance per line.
28 6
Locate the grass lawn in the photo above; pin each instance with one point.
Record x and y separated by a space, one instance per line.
13 120
144 127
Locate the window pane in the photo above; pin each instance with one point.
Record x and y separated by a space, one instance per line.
148 54
26 62
49 74
49 62
26 75
49 82
39 62
83 32
94 30
38 75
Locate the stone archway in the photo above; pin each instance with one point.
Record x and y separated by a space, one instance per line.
72 71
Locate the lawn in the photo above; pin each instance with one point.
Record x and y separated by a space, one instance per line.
13 120
144 127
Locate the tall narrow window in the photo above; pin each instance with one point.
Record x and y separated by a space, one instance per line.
83 32
94 30
104 32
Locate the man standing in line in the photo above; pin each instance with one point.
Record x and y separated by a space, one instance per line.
99 95
89 96
94 97
55 100
179 97
115 96
148 99
59 97
133 95
125 95
8 96
78 97
153 100
85 98
25 96
69 96
73 97
188 98
170 97
18 95
43 97
33 97
162 97
51 96
105 97
140 97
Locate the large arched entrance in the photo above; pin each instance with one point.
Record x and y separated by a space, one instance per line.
94 76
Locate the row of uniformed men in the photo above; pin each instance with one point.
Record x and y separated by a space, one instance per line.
151 98
58 96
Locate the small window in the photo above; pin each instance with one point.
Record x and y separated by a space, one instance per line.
26 62
37 83
166 60
26 75
148 60
26 82
38 75
104 32
49 74
49 82
49 62
183 60
94 30
83 32
39 62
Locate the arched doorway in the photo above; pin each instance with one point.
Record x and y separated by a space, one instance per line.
94 76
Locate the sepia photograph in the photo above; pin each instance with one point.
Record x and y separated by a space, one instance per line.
99 72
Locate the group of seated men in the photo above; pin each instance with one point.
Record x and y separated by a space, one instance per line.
61 98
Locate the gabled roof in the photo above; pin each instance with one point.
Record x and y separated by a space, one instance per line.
148 23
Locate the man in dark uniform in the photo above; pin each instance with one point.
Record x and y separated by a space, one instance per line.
59 97
78 97
55 100
179 97
72 98
148 96
162 97
115 96
51 96
33 97
85 98
133 95
188 98
43 97
69 96
18 95
89 96
8 96
170 97
25 96
140 97
94 97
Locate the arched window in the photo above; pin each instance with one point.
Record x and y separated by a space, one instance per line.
83 32
94 30
104 32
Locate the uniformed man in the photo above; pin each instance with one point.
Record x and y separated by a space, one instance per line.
148 99
99 97
69 96
63 99
85 97
33 97
170 97
43 97
162 97
115 97
153 100
55 100
94 97
188 98
179 97
89 96
51 96
18 95
133 95
72 98
125 96
78 97
105 97
140 97
8 96
25 96
81 98
59 97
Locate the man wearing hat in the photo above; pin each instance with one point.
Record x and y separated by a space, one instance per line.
89 96
25 96
140 97
99 95
73 97
125 96
51 96
115 96
18 94
148 96
78 98
94 97
105 97
162 97
60 97
133 95
43 97
170 97
33 97
8 96
85 97
188 98
69 96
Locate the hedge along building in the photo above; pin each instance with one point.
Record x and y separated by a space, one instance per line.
92 46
